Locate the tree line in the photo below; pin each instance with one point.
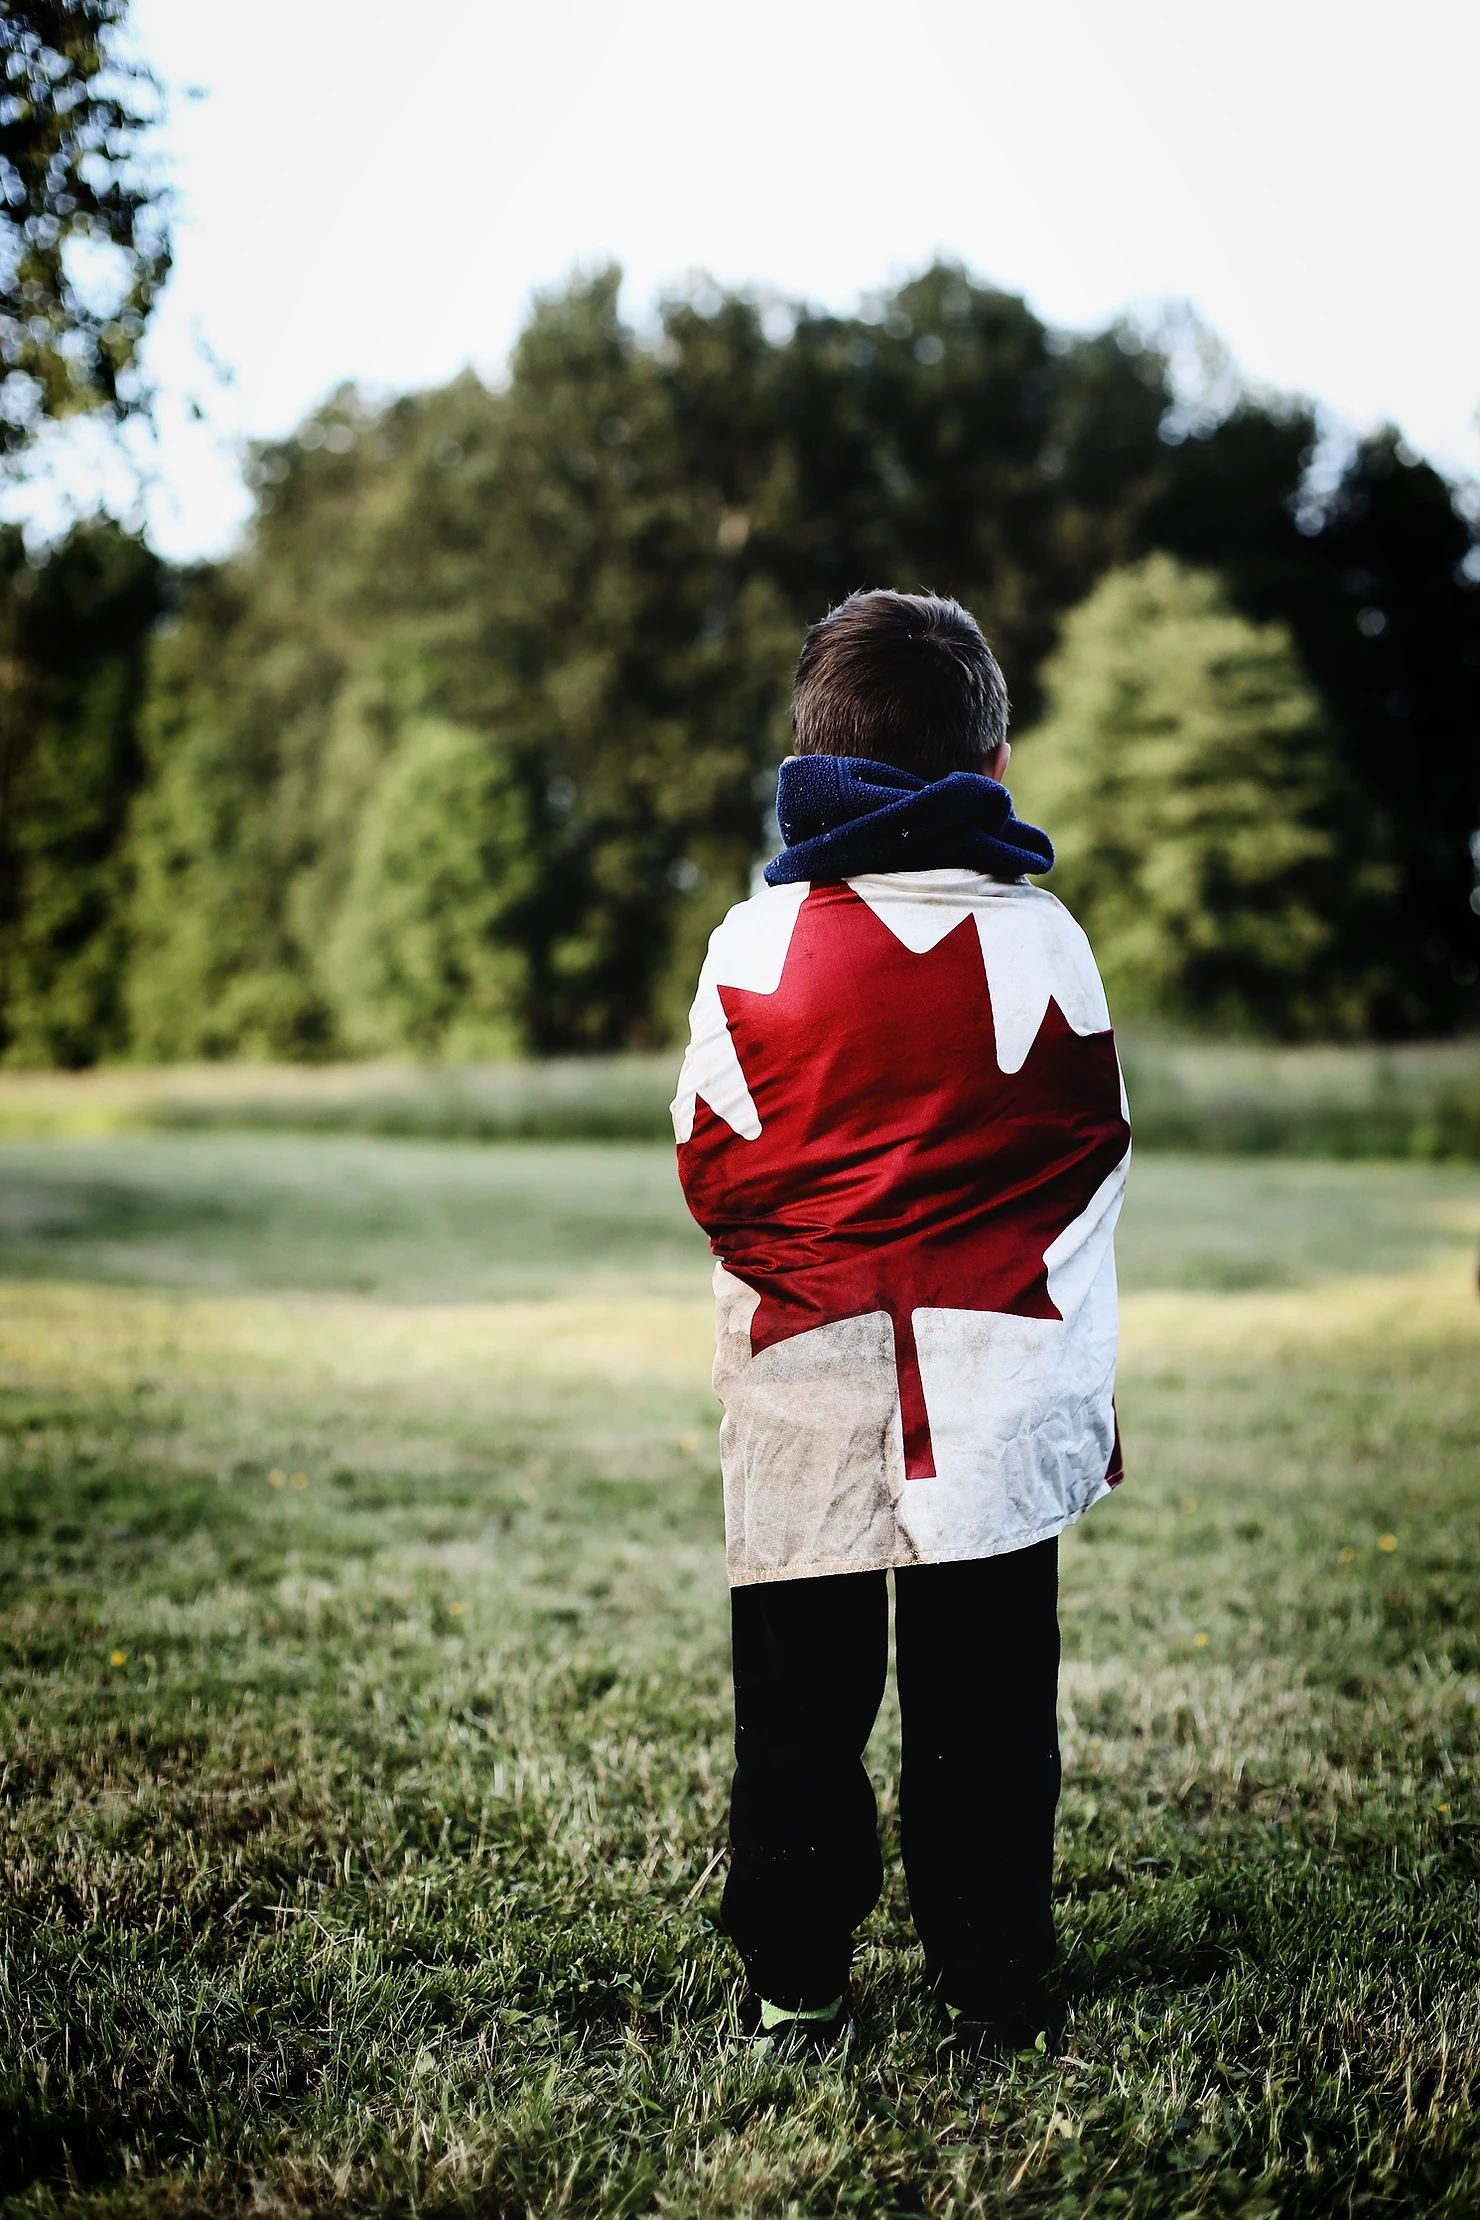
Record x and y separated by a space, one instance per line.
467 747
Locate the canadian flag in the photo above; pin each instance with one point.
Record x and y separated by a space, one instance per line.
902 1124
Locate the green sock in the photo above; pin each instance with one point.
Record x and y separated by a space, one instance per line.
776 2015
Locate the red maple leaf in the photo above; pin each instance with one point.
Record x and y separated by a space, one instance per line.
897 1167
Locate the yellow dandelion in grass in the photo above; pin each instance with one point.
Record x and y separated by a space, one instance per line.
1345 1556
1201 1641
1387 1541
1443 1807
688 1441
277 1478
457 1609
119 1657
298 1481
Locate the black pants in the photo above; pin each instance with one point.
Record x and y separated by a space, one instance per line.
977 1661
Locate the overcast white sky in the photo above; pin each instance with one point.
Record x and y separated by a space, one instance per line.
371 191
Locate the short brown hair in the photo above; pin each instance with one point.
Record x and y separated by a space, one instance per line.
905 679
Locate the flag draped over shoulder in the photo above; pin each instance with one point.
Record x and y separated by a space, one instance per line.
902 1125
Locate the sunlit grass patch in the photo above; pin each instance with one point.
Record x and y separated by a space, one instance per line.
1412 1312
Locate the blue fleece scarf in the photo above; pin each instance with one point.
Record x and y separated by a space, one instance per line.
841 815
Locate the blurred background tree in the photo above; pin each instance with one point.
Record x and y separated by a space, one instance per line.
1207 835
592 584
1387 619
84 251
74 638
423 953
538 566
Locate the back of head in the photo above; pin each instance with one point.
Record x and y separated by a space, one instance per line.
904 679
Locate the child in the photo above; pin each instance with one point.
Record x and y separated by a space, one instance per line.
901 1123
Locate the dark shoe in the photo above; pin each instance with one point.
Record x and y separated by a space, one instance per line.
1002 2029
799 2034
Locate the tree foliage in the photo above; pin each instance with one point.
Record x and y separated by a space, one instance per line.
599 575
1206 835
539 568
84 240
1390 632
604 571
74 631
1377 581
424 956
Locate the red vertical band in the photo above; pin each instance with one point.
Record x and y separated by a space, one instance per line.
919 1455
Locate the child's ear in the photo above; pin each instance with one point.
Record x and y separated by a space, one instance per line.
997 764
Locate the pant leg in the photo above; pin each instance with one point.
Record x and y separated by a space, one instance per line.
810 1659
977 1661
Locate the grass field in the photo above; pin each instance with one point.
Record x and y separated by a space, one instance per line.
364 1711
1419 1101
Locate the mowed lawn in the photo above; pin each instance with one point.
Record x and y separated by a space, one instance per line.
364 1711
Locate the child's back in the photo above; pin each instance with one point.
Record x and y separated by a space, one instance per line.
901 1123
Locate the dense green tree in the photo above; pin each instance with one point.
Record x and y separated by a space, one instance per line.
1389 627
74 628
604 570
535 565
1206 834
601 572
425 953
947 440
84 237
640 677
84 249
1378 585
214 971
273 705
